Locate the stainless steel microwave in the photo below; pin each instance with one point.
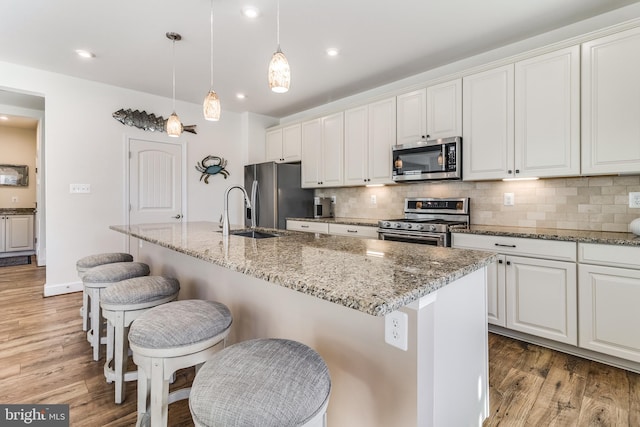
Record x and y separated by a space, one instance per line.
438 159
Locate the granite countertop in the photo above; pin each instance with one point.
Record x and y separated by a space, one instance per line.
373 276
17 211
342 220
581 236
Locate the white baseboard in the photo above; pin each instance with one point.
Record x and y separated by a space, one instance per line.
62 288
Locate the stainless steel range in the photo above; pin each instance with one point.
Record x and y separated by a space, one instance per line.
426 221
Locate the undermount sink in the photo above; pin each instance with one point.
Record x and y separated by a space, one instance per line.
253 234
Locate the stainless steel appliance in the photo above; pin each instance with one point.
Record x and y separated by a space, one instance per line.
322 207
427 221
275 193
427 160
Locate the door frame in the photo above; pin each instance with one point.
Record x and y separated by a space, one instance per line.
127 180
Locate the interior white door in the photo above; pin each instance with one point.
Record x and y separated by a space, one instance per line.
155 181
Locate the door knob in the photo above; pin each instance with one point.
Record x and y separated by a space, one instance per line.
177 216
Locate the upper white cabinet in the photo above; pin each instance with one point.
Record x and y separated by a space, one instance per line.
547 114
411 111
431 113
322 151
611 104
444 110
369 134
523 120
284 144
487 130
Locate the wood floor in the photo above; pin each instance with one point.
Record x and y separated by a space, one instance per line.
45 358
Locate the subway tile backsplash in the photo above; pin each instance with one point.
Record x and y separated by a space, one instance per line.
585 203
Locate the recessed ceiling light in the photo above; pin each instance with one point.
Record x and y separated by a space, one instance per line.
332 51
4 118
241 96
250 12
85 53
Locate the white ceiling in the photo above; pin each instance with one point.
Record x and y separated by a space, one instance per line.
380 41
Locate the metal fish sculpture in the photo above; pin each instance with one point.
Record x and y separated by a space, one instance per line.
142 120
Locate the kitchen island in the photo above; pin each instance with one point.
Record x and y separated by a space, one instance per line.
338 295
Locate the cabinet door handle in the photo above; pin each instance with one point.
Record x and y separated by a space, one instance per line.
505 246
499 261
508 262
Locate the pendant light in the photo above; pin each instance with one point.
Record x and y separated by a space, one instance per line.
211 104
174 127
279 71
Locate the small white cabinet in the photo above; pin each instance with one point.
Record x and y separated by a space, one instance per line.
361 231
369 134
523 120
16 233
308 226
322 151
609 291
284 144
611 104
532 287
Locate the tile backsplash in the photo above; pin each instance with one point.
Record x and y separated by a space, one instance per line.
585 203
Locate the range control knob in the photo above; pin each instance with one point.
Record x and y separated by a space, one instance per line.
418 227
432 227
386 224
397 225
408 226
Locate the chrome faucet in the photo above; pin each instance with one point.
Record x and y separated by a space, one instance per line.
225 214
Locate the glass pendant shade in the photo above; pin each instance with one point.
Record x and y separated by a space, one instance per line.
211 106
174 127
279 73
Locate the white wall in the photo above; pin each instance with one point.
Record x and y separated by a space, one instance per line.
84 144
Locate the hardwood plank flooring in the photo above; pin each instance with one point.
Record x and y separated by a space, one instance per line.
45 358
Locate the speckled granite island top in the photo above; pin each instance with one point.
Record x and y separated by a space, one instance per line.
17 211
581 236
373 276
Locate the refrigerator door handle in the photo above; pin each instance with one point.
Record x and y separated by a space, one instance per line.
254 208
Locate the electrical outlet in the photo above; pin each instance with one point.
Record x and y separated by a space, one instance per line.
509 199
396 325
79 188
634 200
373 200
333 199
14 199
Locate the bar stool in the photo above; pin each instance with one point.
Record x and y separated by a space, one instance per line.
85 264
261 382
121 304
170 337
95 280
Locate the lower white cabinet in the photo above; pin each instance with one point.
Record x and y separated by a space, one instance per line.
362 231
609 317
16 233
536 293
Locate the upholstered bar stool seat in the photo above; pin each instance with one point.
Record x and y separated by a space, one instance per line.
85 264
261 383
95 280
169 337
121 304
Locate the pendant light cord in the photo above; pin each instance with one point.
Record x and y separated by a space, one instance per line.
278 25
211 24
173 59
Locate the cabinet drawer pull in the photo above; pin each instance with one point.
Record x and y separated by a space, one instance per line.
304 226
352 231
505 246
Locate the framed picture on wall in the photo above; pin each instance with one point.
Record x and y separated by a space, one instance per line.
14 175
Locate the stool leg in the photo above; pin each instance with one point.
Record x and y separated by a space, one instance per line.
96 323
110 329
85 311
143 394
121 355
159 395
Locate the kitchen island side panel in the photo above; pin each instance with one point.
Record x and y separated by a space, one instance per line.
373 383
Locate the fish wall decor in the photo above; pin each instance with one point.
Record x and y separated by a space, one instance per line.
143 120
212 165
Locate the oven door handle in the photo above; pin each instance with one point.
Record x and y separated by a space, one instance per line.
423 236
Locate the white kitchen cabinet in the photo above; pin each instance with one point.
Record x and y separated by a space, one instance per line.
16 233
284 144
523 120
308 226
609 291
322 151
611 104
369 134
532 288
411 112
362 231
444 110
547 115
488 124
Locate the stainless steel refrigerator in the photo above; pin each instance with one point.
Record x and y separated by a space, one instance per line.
276 194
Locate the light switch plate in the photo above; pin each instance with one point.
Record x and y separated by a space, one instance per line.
509 199
79 188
